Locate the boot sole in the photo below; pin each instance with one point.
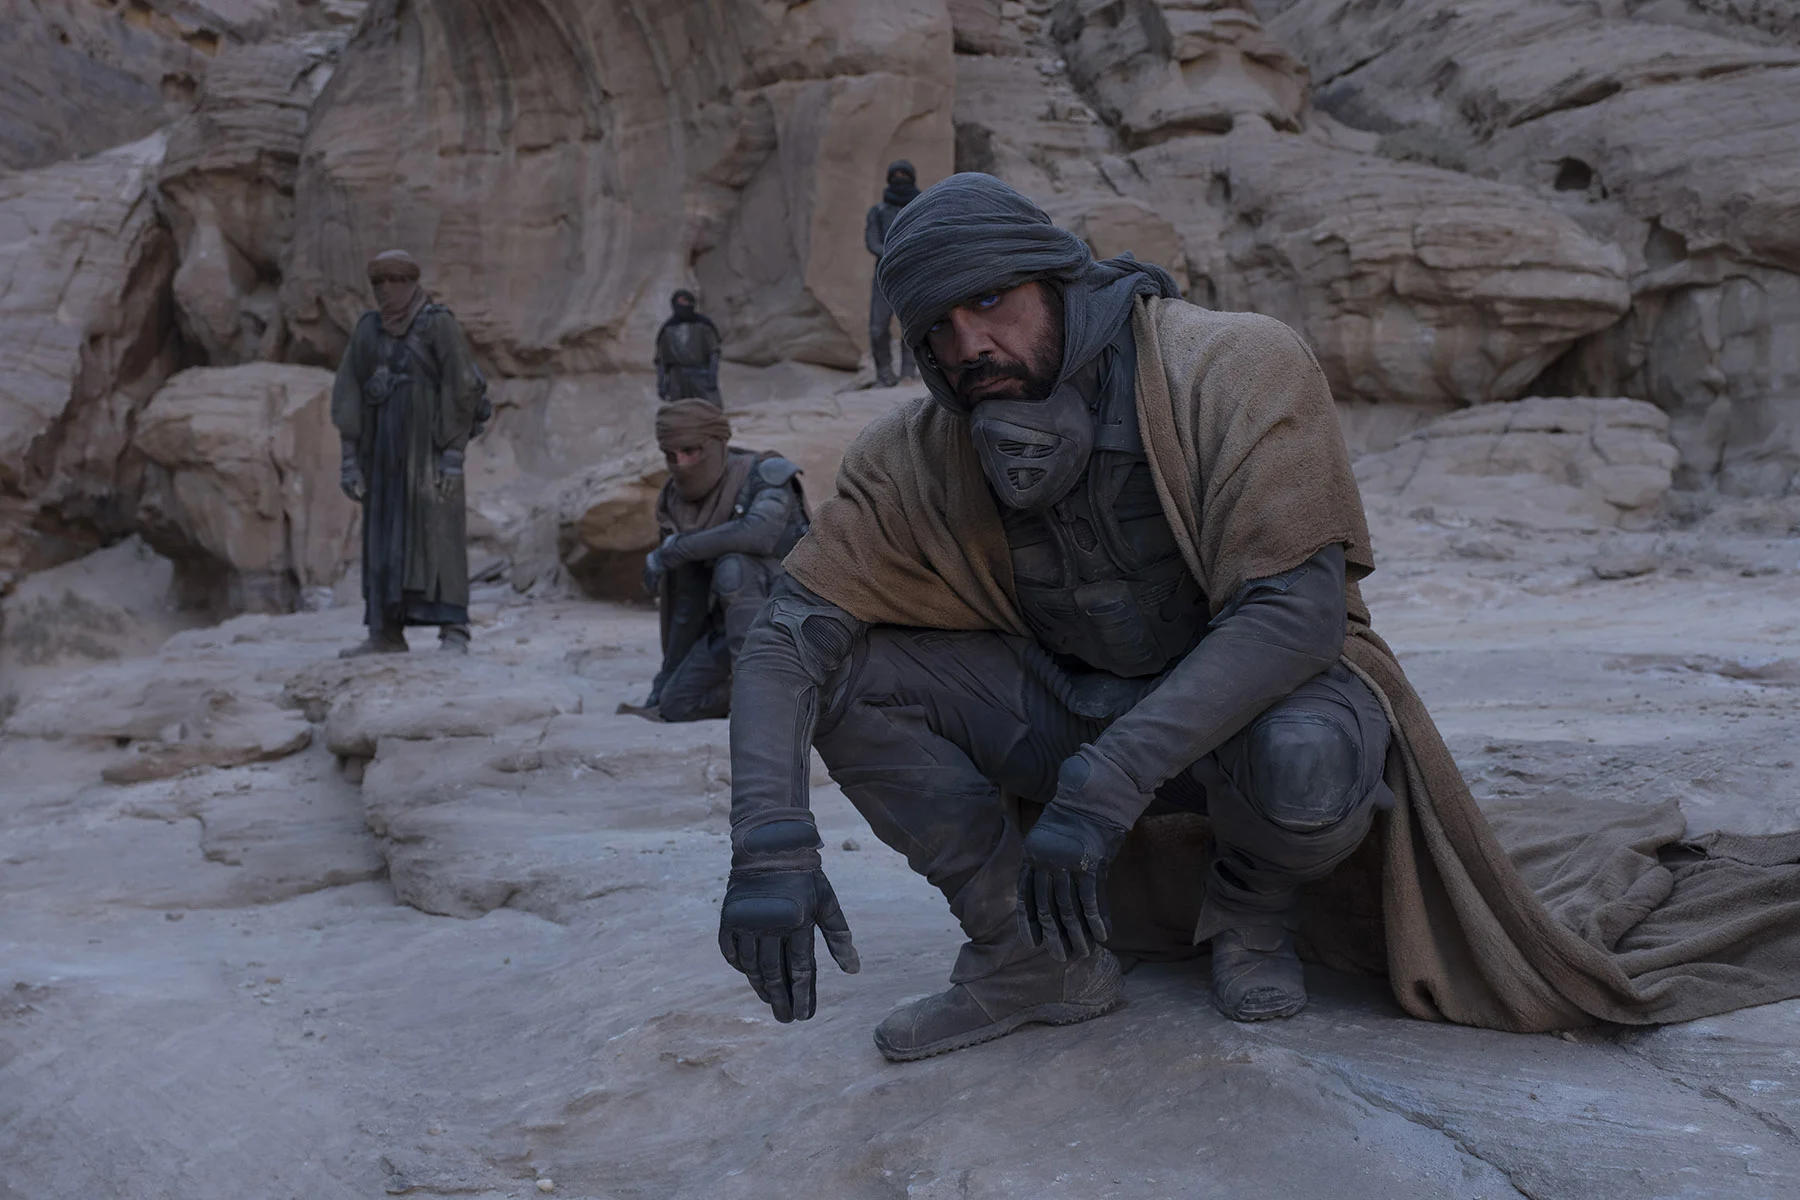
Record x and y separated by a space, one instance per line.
1037 1014
1274 1014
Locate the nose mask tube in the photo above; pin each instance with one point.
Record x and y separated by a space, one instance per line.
1033 451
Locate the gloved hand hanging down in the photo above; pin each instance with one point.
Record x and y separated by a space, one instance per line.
657 564
775 896
1062 883
350 476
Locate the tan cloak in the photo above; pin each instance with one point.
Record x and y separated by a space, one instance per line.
1542 915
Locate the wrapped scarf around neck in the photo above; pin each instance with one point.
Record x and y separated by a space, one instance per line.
398 313
972 234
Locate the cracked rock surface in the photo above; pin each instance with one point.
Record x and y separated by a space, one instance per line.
462 936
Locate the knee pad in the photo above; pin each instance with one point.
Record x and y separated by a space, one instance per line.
1306 770
730 575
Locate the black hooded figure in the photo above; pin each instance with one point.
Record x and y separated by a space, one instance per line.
687 353
902 187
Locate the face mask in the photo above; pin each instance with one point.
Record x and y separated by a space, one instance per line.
1033 452
696 482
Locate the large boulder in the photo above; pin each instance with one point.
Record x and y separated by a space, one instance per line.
1564 462
114 603
1414 285
1163 69
242 489
561 167
86 337
1670 129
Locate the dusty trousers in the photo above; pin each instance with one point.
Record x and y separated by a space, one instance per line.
881 319
930 726
696 684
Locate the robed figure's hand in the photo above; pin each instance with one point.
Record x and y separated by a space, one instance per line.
350 478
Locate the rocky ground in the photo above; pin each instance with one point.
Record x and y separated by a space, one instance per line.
279 925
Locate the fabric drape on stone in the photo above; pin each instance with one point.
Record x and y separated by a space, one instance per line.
1552 914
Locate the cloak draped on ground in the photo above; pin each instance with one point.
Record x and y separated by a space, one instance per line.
1551 914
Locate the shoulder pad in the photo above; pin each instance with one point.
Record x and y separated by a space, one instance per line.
776 470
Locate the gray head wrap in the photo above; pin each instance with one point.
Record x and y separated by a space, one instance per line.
971 234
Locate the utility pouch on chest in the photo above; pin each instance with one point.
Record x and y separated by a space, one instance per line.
1110 611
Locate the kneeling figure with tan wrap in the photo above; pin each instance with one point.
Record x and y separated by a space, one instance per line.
727 516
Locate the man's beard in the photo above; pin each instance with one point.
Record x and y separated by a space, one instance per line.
1037 381
1038 375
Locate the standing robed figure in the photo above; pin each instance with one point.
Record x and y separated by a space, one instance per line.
407 399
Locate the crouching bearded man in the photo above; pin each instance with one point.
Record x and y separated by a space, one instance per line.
1107 564
728 517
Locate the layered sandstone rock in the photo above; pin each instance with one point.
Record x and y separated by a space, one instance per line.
1567 462
86 337
80 76
1183 131
227 186
1669 129
562 167
242 490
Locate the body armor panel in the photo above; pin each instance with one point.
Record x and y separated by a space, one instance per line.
1099 576
689 344
775 471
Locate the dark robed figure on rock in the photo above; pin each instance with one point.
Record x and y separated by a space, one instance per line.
902 188
728 517
687 353
1080 634
407 399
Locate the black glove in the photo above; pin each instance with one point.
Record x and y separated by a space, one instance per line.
350 476
657 564
776 895
1062 883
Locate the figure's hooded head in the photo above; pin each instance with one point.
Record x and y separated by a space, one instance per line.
683 304
693 436
394 277
902 184
971 251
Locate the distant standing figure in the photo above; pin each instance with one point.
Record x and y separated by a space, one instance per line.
728 517
902 187
687 353
408 398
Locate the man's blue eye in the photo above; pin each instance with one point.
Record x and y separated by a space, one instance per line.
988 301
935 326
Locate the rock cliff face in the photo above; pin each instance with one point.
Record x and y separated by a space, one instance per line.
1457 204
227 189
564 166
1668 129
86 335
1416 285
80 76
